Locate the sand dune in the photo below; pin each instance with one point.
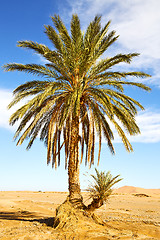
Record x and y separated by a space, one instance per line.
130 189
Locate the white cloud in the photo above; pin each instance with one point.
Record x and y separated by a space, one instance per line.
149 124
5 99
137 23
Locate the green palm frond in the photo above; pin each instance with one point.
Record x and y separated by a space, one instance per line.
101 186
75 85
34 69
38 48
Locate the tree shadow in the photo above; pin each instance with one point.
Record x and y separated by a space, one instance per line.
26 216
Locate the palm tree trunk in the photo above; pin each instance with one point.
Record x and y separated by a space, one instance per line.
75 196
96 203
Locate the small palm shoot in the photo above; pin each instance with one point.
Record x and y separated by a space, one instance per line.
101 188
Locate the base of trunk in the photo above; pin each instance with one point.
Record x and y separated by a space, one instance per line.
69 217
96 203
76 200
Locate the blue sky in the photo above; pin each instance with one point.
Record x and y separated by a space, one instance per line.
137 23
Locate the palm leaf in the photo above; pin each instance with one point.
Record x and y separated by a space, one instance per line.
76 82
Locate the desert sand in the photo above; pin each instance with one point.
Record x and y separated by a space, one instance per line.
130 213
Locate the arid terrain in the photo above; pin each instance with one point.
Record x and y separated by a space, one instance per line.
130 213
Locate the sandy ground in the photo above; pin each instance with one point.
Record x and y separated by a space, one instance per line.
30 215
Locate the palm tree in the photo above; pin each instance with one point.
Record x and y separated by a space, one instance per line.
77 96
101 188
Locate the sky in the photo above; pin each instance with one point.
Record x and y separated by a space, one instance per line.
137 23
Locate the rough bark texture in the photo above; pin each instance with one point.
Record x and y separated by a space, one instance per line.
75 196
96 203
69 217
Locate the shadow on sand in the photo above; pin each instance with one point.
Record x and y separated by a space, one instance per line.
26 216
